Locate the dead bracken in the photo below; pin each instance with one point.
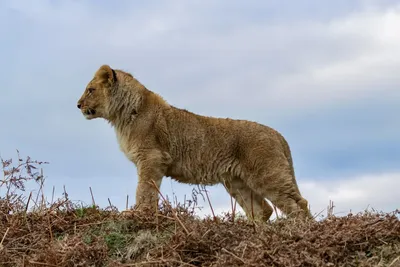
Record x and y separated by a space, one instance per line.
38 232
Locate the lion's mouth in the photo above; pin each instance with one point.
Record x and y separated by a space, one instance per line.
89 112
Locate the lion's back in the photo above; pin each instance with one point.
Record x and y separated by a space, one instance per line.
207 148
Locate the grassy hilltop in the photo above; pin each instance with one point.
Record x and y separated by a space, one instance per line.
38 232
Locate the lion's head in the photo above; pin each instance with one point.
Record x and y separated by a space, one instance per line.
94 103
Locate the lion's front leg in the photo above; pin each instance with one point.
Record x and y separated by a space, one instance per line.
151 170
146 193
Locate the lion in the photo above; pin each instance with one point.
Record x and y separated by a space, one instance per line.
252 161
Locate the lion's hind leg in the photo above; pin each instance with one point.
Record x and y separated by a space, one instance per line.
255 206
279 188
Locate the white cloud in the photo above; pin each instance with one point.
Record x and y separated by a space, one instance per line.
377 191
279 65
347 58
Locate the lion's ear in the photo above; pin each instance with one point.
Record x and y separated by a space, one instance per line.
106 74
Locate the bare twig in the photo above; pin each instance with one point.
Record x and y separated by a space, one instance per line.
394 261
4 237
252 204
91 193
27 203
43 204
235 256
145 263
276 211
42 263
209 203
52 194
330 209
50 230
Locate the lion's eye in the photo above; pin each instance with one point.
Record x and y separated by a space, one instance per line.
91 90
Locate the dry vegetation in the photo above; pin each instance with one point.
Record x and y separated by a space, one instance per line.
37 232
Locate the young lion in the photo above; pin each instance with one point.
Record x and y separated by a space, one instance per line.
251 160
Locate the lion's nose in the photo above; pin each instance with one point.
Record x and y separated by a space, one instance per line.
79 106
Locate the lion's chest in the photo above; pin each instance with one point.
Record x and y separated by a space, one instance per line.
128 147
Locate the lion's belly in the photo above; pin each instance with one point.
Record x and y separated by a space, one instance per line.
195 179
209 174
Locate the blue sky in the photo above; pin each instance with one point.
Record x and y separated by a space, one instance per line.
325 74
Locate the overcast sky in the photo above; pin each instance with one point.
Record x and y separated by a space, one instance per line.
323 73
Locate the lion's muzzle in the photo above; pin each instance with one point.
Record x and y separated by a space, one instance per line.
86 110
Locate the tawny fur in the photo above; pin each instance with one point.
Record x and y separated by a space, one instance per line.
251 160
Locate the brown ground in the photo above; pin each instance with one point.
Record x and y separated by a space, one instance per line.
61 233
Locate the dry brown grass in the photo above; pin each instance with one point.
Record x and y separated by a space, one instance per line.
37 232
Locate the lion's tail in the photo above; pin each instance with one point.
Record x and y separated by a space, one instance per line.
303 203
288 155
